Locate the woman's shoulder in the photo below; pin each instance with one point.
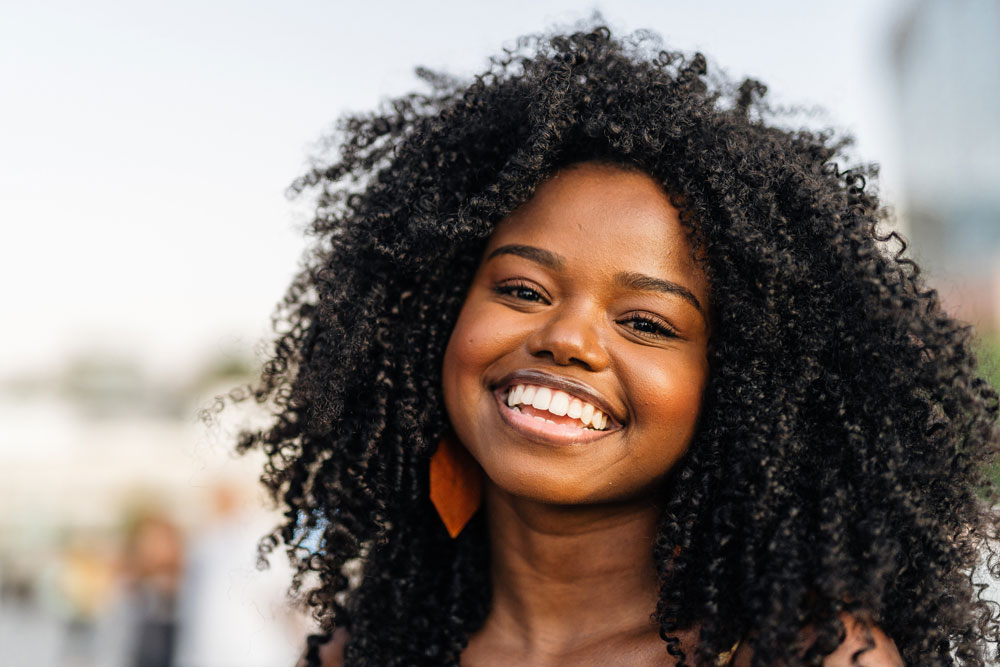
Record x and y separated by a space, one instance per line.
877 649
331 652
880 651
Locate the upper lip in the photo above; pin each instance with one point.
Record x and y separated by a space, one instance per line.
570 386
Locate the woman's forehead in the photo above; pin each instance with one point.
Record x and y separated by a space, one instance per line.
603 218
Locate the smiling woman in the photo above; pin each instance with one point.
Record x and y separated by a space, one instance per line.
611 330
645 354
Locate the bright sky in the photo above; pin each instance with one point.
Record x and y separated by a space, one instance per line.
145 147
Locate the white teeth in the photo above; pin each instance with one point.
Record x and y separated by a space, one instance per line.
560 403
542 398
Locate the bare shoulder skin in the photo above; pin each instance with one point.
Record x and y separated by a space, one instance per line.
331 654
883 654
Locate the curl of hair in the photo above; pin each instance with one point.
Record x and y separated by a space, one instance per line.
839 466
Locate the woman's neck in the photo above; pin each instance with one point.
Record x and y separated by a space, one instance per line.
566 578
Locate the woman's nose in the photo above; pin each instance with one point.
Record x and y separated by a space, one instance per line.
570 337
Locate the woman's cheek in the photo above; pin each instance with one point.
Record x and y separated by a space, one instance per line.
672 388
470 341
470 351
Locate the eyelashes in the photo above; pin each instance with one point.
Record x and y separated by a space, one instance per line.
641 324
520 290
646 325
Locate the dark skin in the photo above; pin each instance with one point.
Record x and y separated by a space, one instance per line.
591 282
572 524
558 577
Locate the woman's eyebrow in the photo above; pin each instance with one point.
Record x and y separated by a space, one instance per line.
642 282
544 257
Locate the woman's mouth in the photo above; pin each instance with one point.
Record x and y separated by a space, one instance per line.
555 407
552 415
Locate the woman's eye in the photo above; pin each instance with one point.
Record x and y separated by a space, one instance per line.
519 290
644 325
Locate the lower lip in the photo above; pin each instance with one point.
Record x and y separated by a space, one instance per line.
541 431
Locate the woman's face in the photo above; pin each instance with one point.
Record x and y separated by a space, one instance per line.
576 368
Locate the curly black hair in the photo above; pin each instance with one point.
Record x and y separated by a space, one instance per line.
839 465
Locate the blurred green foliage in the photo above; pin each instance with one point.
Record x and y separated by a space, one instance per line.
988 354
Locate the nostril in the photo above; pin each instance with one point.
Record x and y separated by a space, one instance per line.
568 340
562 360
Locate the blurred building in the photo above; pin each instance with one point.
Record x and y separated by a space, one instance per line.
946 60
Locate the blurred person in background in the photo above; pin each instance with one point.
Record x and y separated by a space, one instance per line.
85 582
153 567
231 613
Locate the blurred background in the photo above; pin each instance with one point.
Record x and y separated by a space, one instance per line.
144 153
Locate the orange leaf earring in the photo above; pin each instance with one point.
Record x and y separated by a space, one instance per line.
456 484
